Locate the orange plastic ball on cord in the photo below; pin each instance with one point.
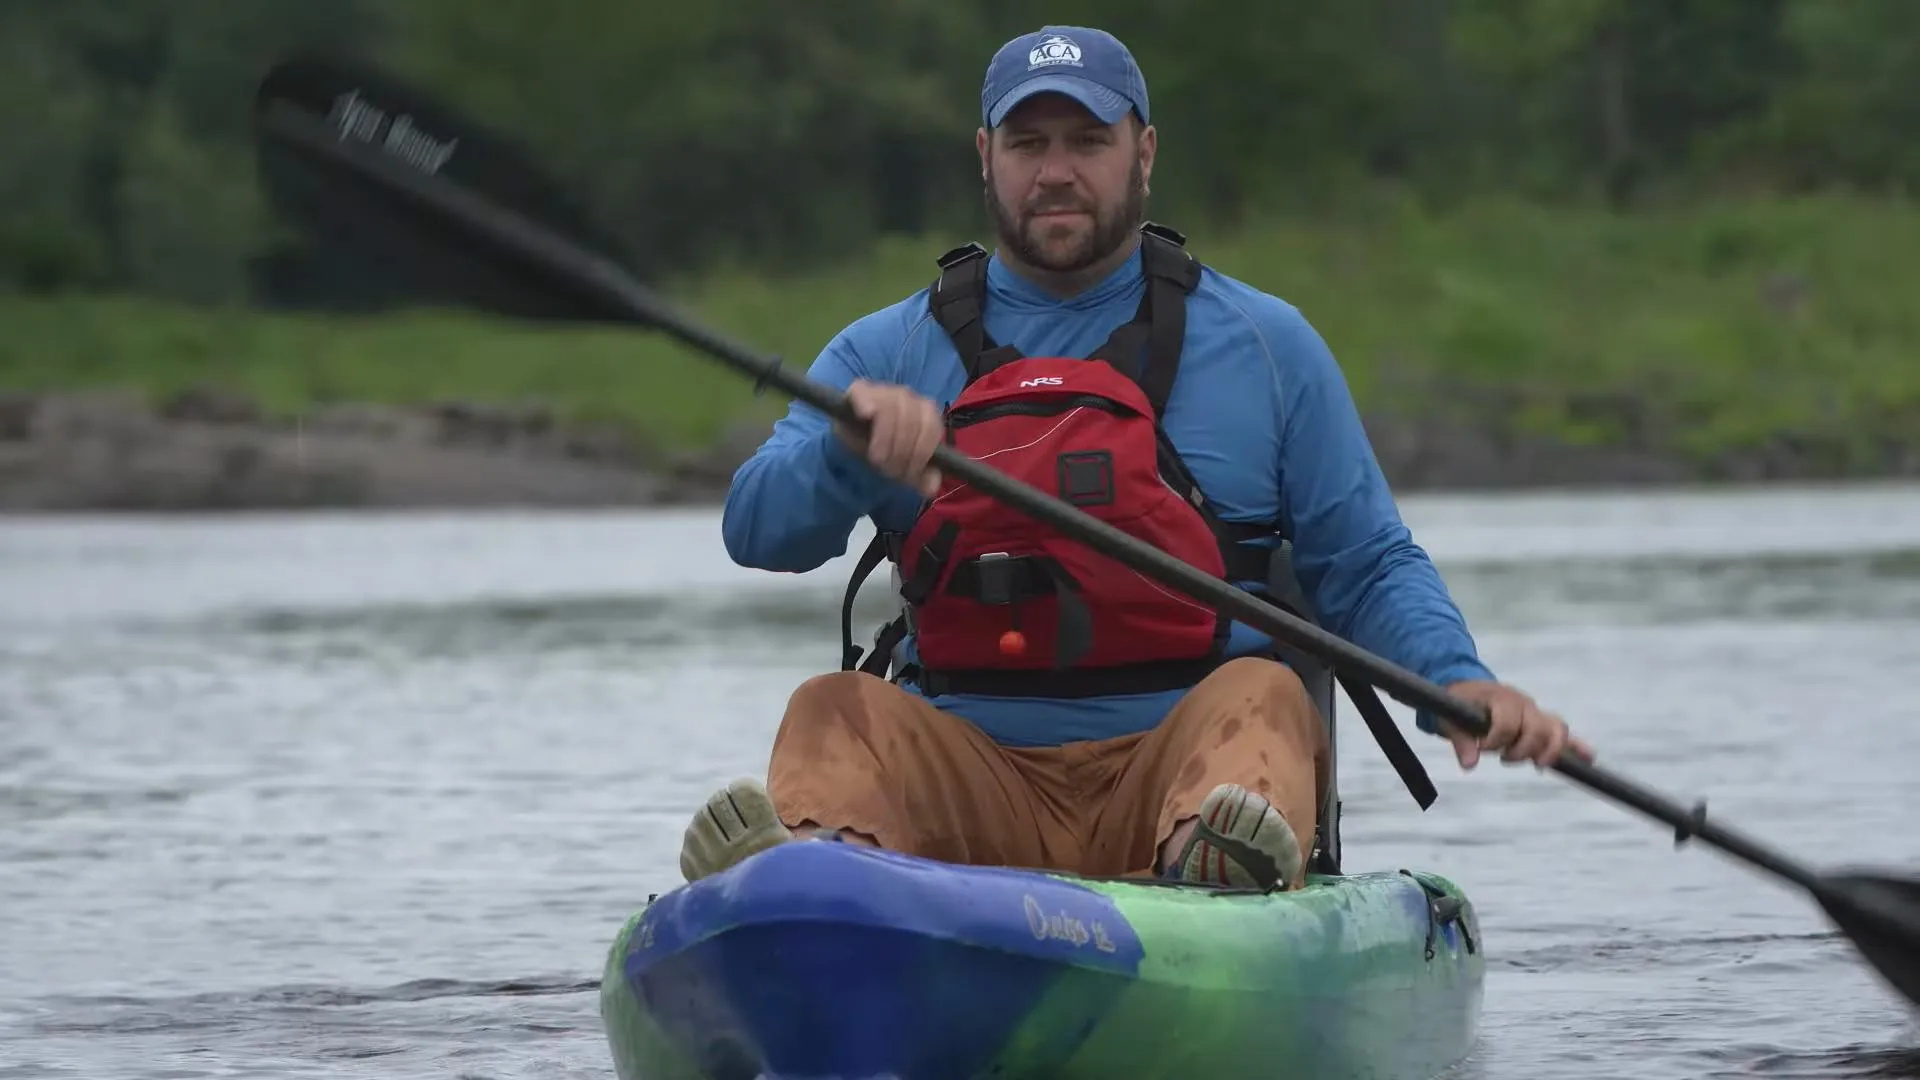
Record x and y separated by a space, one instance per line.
1013 643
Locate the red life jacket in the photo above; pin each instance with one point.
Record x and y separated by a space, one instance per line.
994 592
1001 604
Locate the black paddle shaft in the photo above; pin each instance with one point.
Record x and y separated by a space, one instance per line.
611 287
612 293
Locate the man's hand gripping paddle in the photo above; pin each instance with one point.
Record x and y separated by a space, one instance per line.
458 215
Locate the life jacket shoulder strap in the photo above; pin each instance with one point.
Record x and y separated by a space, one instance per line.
958 302
1146 349
1172 274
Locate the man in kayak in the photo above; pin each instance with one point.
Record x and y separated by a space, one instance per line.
1120 729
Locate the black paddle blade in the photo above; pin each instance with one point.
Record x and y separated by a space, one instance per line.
370 238
1881 915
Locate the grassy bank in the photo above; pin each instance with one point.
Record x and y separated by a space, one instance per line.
1699 331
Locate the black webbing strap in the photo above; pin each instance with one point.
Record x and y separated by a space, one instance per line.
1145 349
1283 589
958 303
877 552
1148 678
1172 272
1392 743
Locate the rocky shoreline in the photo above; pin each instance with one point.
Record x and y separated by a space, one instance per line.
210 450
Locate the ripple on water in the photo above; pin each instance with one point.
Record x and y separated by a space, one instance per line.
270 774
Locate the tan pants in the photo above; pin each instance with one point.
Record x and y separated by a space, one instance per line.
856 753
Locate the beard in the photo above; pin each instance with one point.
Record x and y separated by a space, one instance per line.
1111 228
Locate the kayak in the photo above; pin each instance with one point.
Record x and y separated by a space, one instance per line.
818 960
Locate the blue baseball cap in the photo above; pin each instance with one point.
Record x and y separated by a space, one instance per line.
1088 65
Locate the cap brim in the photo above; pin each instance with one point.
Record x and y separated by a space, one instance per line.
1106 106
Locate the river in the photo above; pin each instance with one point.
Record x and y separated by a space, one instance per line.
367 796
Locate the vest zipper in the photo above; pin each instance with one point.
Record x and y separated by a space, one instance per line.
960 418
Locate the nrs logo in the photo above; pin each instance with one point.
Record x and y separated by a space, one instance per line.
1044 380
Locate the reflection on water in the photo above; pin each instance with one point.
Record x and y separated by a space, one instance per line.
367 796
1849 586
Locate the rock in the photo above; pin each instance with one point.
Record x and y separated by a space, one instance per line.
17 412
94 414
607 443
206 449
200 451
708 472
493 426
211 405
1436 451
385 423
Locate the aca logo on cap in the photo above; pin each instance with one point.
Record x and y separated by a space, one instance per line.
1054 49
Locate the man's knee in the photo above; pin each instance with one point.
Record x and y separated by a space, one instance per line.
1263 680
840 699
836 691
1259 692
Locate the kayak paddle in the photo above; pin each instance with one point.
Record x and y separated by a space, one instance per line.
458 214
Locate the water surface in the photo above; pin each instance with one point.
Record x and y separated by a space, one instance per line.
367 796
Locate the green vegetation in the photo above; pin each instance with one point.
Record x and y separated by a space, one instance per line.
1674 225
1691 330
787 134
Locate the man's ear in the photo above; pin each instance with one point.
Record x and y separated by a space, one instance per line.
983 141
1149 147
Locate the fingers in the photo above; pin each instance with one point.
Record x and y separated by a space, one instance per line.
1518 730
906 428
1538 737
1580 749
903 430
860 399
1466 748
930 430
1506 712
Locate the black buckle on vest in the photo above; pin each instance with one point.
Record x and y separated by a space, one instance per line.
1164 254
1002 580
995 577
960 255
1165 232
933 559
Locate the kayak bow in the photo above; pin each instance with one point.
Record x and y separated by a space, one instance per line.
817 960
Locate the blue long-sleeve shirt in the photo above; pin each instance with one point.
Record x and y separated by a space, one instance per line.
1260 412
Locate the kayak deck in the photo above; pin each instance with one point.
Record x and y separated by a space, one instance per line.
833 960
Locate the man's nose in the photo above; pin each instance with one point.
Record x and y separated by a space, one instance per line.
1056 167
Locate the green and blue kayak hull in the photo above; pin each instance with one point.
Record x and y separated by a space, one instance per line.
833 960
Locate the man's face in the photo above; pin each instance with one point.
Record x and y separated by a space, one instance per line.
1065 190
